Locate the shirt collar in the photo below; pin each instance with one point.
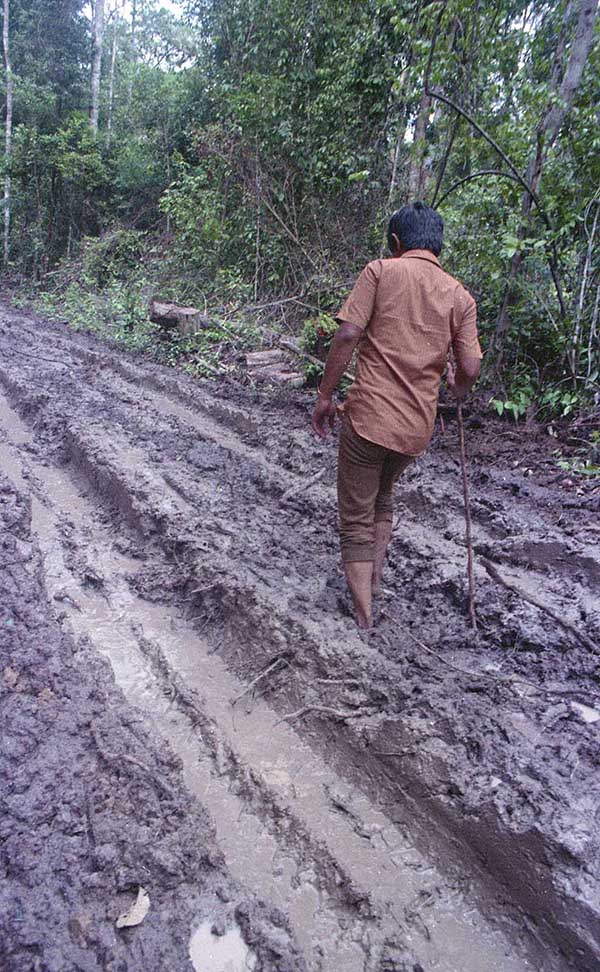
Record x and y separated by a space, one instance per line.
421 255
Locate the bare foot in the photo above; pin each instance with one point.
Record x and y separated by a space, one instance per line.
363 622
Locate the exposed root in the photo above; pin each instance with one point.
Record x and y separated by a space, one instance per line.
324 710
279 660
126 758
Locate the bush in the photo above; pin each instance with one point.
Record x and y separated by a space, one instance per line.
316 338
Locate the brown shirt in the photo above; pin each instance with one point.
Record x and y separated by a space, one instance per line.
411 312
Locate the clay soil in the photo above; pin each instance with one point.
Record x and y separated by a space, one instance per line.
186 704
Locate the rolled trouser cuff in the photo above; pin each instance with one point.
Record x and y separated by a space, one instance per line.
354 552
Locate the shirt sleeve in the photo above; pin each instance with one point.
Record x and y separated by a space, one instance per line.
359 306
465 341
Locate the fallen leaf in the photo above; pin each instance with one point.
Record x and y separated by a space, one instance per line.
46 694
137 912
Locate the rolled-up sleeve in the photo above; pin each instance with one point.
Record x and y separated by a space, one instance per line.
465 340
358 308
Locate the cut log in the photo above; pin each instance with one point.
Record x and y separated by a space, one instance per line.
186 320
272 366
256 359
293 347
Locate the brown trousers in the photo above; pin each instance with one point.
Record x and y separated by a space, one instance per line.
366 476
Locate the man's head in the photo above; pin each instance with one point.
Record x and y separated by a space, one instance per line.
415 227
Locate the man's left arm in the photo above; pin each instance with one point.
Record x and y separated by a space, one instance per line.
340 354
353 317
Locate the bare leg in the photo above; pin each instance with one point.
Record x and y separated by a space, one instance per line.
359 574
383 533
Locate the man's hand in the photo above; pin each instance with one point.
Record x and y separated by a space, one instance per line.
344 341
460 379
323 417
451 379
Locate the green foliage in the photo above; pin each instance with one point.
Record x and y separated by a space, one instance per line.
546 401
211 351
114 256
119 313
317 335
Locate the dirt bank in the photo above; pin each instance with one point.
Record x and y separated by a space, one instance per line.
425 798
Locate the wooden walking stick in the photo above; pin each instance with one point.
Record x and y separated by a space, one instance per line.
465 483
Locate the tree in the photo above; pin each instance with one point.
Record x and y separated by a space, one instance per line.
562 94
8 130
97 42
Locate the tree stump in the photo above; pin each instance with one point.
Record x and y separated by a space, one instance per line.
186 320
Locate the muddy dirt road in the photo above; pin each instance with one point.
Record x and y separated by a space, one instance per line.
424 798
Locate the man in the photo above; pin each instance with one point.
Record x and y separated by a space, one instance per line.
407 313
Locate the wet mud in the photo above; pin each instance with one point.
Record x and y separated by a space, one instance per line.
426 797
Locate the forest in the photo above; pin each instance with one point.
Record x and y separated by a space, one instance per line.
245 157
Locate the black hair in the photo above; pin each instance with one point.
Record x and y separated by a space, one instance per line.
418 227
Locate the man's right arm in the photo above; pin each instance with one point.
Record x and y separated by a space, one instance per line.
462 375
464 370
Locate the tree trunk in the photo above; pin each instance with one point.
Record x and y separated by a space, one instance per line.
417 174
111 82
97 38
8 136
547 133
132 48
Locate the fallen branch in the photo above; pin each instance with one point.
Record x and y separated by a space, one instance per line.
457 668
497 576
39 357
258 678
300 487
394 752
339 681
323 709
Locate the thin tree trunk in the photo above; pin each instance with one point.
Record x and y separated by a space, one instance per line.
592 339
417 176
132 50
8 136
97 38
111 83
547 133
573 353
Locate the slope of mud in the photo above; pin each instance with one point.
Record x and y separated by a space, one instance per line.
448 815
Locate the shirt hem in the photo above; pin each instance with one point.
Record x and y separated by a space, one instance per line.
385 445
